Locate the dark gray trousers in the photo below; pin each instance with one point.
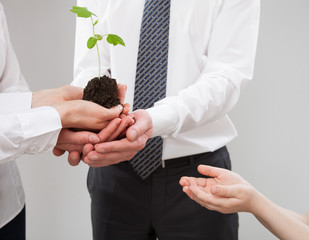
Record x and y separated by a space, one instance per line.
15 229
125 207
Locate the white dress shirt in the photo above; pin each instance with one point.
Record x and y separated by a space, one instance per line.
212 46
22 129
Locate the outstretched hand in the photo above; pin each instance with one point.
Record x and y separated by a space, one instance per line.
224 191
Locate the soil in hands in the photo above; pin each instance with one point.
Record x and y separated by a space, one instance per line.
103 91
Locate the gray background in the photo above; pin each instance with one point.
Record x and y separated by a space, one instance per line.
271 117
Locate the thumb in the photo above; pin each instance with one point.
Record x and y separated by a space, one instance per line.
210 171
224 191
142 126
114 112
72 93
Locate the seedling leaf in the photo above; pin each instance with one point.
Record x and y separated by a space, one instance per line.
115 40
91 42
82 12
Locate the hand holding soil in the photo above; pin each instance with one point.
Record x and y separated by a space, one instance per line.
113 152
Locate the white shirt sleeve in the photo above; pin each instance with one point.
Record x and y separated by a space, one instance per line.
228 65
11 78
29 132
22 129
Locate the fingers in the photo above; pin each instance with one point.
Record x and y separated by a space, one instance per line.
211 202
121 146
94 159
80 137
192 181
184 181
87 149
124 124
74 158
198 195
58 152
142 126
106 132
125 111
115 128
231 191
113 112
122 89
187 191
210 171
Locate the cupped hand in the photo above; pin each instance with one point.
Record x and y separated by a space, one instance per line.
85 114
73 111
114 130
72 141
113 152
224 191
49 97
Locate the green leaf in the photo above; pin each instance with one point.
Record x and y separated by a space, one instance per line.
98 36
96 22
82 12
115 40
91 42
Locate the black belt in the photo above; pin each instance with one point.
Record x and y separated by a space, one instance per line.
184 161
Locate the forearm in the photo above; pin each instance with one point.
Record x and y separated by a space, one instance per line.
281 222
306 218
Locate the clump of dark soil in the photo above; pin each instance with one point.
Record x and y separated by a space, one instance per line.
103 91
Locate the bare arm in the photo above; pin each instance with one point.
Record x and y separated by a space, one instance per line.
282 222
228 192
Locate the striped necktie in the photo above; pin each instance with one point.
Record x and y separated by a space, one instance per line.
151 74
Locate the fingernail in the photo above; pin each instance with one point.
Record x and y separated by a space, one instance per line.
120 107
94 139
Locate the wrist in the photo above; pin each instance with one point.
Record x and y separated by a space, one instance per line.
34 102
257 203
64 114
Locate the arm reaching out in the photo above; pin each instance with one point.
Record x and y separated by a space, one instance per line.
228 192
74 112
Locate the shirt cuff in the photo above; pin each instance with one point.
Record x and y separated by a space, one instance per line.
41 127
164 120
15 102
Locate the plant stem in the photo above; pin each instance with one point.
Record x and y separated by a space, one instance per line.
97 48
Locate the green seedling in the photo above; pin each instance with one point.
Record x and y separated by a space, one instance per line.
93 40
